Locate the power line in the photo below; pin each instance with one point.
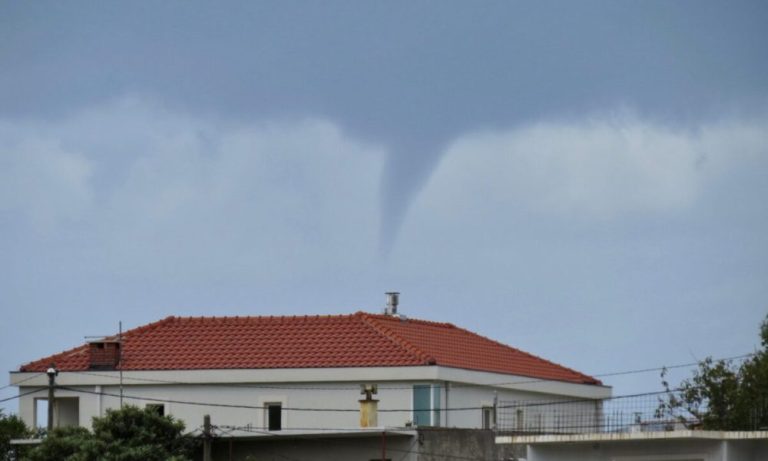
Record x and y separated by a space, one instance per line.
19 395
22 381
395 387
355 410
671 367
286 433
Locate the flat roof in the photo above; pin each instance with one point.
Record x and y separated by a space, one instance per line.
258 434
630 436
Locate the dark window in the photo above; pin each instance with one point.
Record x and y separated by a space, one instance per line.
488 422
274 416
158 408
520 419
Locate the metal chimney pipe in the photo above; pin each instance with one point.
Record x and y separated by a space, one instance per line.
393 299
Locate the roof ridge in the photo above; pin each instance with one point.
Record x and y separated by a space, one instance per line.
258 317
372 322
411 319
145 328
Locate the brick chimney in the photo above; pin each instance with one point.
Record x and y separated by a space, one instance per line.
104 354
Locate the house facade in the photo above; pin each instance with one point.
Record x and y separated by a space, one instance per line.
301 375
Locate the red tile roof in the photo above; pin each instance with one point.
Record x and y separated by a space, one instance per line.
356 340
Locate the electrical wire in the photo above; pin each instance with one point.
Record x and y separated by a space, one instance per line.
13 397
355 410
379 430
22 381
396 387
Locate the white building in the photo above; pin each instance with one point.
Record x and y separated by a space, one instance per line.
261 375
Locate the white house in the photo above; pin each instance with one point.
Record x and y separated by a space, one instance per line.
300 375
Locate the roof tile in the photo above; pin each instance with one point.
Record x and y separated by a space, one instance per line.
356 340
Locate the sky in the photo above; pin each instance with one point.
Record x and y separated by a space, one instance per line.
585 181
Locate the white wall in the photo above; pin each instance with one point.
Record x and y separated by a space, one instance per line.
346 396
327 389
294 397
534 417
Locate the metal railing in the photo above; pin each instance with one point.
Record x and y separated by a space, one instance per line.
649 412
641 413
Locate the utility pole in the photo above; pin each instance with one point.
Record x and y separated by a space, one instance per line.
51 372
207 438
120 358
383 445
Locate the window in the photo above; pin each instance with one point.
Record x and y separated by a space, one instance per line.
158 408
520 419
426 405
41 412
274 415
488 418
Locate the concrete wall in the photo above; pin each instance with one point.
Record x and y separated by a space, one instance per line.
745 450
439 444
652 450
428 444
398 448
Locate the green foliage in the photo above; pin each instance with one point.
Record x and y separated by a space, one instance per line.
11 427
721 395
129 434
65 444
136 434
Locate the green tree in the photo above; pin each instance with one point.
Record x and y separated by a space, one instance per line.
65 444
128 434
721 395
11 427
